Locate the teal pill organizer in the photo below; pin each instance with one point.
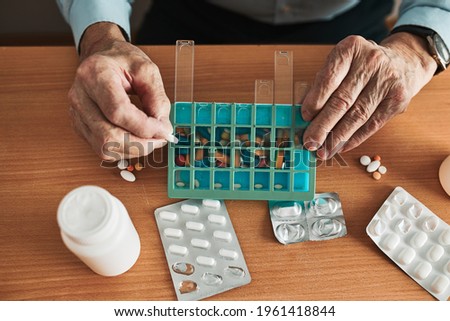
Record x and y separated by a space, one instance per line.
238 151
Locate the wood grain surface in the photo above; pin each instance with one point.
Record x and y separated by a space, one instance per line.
43 159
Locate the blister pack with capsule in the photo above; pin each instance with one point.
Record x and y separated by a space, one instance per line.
298 221
201 247
416 239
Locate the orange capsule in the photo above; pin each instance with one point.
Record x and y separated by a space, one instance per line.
377 158
138 167
130 168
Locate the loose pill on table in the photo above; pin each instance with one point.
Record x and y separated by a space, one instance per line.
130 168
373 166
138 167
211 203
128 176
377 158
122 164
365 160
376 175
191 209
382 169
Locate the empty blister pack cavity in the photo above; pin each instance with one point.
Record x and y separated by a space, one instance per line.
316 220
201 247
416 239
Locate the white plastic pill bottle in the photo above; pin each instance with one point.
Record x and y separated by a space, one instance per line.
96 227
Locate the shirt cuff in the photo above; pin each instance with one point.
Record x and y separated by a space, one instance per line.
432 18
84 13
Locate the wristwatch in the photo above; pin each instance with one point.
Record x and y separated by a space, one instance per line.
436 46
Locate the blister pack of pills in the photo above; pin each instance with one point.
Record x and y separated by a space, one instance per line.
416 239
297 221
201 247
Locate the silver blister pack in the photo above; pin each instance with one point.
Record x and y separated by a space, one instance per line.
316 220
201 247
416 239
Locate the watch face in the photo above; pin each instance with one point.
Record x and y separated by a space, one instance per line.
442 49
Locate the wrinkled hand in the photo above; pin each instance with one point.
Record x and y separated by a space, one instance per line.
360 88
101 109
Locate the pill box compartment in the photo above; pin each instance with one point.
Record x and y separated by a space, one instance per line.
239 151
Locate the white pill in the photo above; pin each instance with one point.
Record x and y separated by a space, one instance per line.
278 186
422 270
205 260
440 284
122 164
178 250
203 244
180 184
435 253
168 216
217 185
228 254
373 166
259 186
418 239
217 219
406 256
237 186
382 169
191 209
221 235
195 226
444 239
215 204
173 232
390 242
128 176
196 183
365 160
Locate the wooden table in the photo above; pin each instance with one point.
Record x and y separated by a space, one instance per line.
44 159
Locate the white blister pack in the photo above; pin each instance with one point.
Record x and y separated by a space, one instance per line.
416 239
201 247
316 220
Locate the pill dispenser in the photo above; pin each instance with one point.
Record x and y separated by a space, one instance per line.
416 239
251 151
201 247
320 219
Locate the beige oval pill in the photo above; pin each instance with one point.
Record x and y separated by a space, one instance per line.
440 284
390 242
259 186
422 270
376 176
406 256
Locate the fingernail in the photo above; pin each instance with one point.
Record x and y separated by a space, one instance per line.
171 138
311 145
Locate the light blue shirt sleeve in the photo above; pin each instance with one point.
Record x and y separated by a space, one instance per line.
433 14
80 14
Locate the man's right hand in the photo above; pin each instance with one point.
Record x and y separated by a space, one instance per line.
101 111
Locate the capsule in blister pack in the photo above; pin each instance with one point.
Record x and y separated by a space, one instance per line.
316 220
201 247
415 239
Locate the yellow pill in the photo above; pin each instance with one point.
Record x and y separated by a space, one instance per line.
376 175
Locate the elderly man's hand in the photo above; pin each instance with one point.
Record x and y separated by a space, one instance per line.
362 86
101 111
